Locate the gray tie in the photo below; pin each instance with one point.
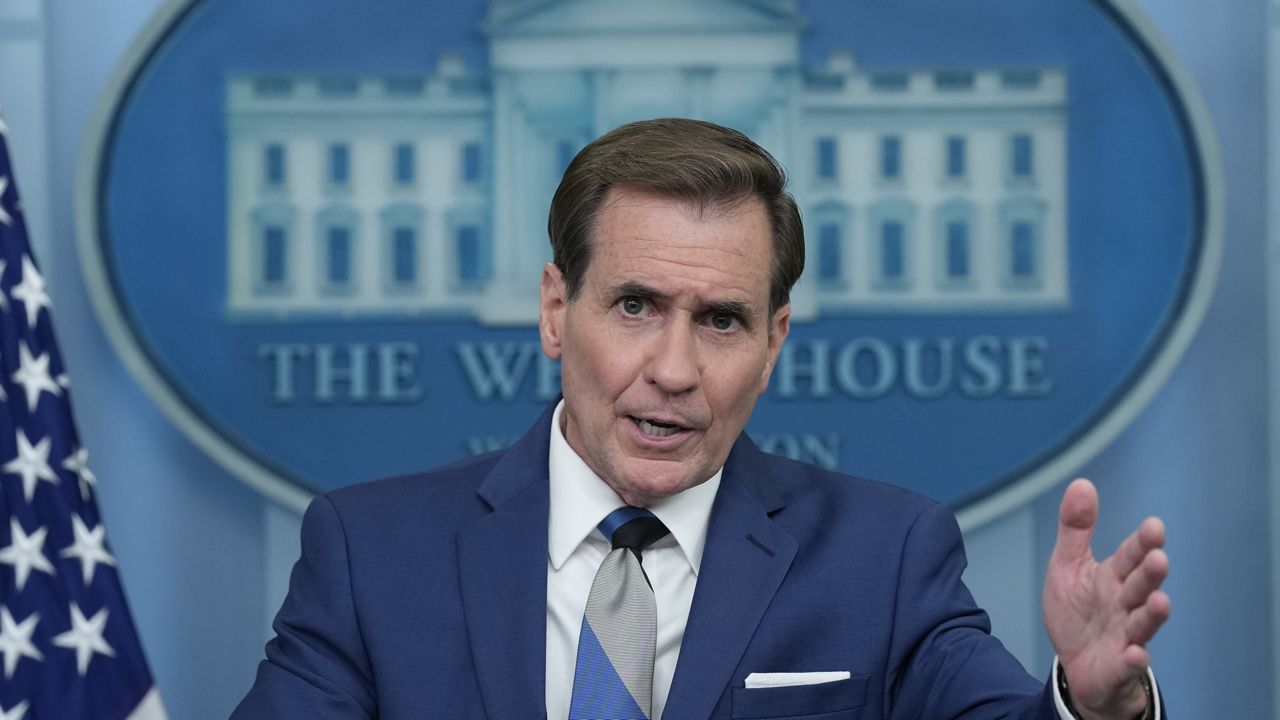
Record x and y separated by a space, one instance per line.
614 675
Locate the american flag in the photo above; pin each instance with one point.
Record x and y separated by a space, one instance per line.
68 648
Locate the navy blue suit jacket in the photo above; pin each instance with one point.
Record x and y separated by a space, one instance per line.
425 597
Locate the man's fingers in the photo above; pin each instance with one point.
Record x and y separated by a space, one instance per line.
1144 621
1077 517
1144 580
1148 536
1137 659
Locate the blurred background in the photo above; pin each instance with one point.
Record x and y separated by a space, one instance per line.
204 557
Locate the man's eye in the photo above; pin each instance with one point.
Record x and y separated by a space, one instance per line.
632 305
723 321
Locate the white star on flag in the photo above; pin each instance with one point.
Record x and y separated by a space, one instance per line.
15 640
31 291
5 218
45 592
85 637
4 129
32 463
89 547
78 463
33 375
25 552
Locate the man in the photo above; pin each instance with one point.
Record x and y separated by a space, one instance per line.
461 593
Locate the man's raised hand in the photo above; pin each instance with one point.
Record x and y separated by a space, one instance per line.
1100 615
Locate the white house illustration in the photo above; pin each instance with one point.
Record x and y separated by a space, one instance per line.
935 190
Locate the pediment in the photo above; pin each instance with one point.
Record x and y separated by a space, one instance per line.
509 18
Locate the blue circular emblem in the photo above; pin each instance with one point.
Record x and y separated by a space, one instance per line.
315 236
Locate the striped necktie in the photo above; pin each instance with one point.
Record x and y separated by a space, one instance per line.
614 675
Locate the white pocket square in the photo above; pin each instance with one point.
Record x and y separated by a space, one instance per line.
790 679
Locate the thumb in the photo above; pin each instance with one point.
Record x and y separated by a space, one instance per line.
1077 517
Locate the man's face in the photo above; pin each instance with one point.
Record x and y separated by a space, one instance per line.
669 342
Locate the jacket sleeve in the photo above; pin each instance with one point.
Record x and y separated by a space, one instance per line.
944 661
316 666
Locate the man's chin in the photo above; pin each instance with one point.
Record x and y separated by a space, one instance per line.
647 481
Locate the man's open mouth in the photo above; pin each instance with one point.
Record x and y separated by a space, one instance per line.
653 428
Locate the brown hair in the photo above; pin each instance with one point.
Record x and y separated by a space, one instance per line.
693 161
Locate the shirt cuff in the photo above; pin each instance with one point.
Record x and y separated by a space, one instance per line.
1065 714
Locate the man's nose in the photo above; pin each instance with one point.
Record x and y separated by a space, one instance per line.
673 363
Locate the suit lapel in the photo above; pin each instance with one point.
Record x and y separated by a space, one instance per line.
502 567
745 559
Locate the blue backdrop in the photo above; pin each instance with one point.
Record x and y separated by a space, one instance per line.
203 557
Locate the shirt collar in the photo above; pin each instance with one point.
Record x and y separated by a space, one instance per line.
580 500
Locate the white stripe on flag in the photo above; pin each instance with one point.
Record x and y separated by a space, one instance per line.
150 708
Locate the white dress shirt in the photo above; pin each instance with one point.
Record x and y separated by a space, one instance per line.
575 549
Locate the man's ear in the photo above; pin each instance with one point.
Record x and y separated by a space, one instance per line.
779 326
553 301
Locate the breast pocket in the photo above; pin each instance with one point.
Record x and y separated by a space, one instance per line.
839 700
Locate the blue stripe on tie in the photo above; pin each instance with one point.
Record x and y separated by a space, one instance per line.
598 692
616 519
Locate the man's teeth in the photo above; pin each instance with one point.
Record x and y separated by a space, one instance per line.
653 430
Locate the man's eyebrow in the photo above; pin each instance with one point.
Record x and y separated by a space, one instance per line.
631 288
737 308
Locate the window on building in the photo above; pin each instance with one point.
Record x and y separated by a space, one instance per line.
339 164
1023 265
893 260
956 157
830 252
892 81
272 87
1020 79
472 169
401 239
404 86
275 251
957 250
404 255
404 163
953 80
828 158
890 157
338 255
468 254
339 87
1022 156
273 167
